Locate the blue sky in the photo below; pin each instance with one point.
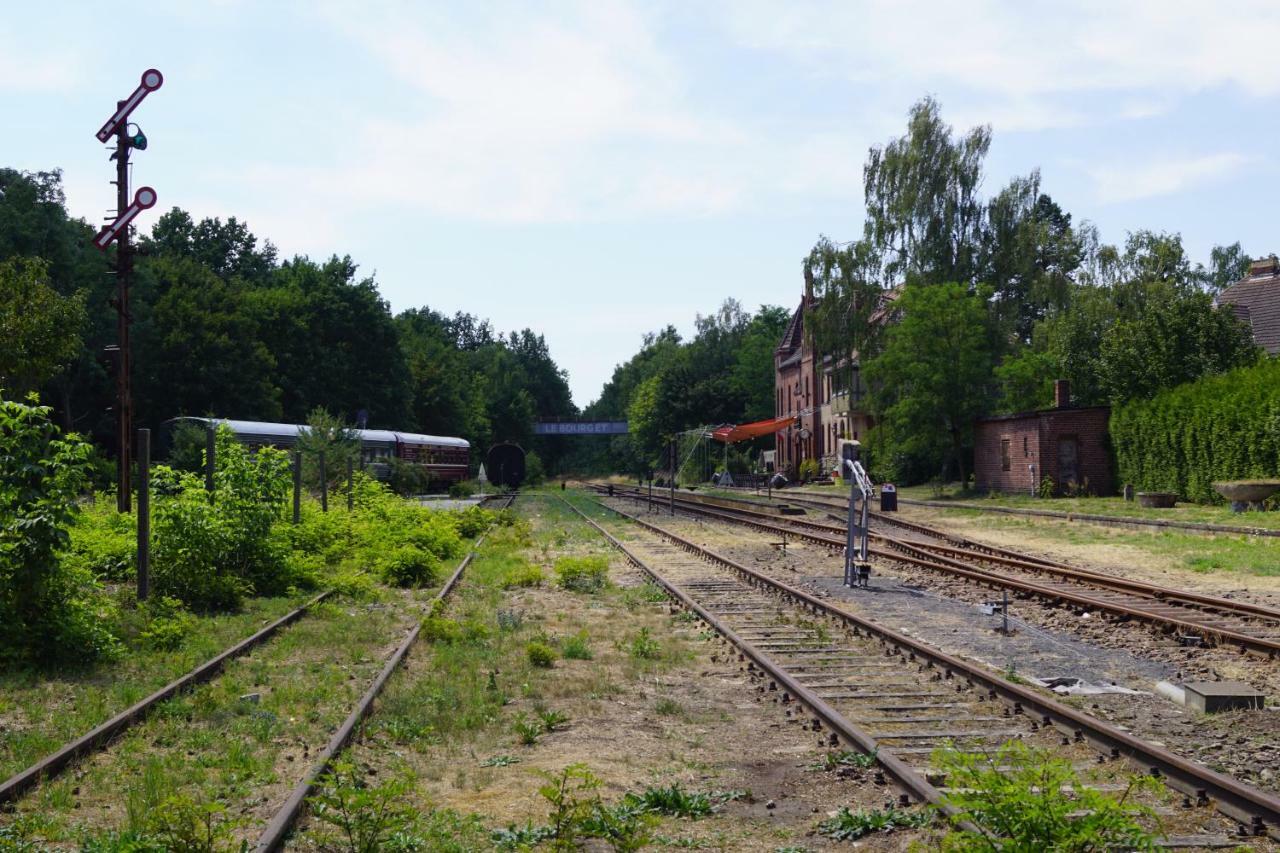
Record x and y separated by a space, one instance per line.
597 170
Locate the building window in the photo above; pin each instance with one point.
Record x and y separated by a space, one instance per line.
1004 454
1025 451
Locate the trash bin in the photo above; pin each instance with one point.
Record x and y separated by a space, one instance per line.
888 498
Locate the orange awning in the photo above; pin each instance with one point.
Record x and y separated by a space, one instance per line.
742 432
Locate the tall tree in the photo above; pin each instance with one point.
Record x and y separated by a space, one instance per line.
924 216
933 377
39 327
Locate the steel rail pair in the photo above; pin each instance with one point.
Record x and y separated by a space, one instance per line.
282 823
1258 810
925 555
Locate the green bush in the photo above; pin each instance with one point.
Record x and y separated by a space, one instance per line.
1028 799
473 521
168 623
578 647
104 542
51 608
1223 427
461 490
410 566
809 469
524 575
408 478
210 551
534 472
582 574
540 654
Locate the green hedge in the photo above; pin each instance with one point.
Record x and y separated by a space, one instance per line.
1223 427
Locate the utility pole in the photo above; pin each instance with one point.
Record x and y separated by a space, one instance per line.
118 231
124 272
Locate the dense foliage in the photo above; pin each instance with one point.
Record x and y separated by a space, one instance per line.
68 561
49 606
224 326
1046 300
723 375
1223 427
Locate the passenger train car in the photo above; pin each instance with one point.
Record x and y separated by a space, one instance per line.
447 459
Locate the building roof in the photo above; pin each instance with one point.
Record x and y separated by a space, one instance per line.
288 433
1256 300
793 337
1038 413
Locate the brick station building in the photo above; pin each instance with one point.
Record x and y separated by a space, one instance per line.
806 389
1013 453
1256 300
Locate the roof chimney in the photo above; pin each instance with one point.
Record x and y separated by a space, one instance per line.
1264 267
1061 393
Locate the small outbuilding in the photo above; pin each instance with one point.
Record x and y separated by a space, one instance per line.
1069 445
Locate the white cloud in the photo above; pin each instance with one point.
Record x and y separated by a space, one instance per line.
1161 176
1025 59
527 117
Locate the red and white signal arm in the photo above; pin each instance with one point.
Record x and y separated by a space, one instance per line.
144 198
152 79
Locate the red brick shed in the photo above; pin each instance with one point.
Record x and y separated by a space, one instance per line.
1013 453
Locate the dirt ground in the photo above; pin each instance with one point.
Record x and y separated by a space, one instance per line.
691 717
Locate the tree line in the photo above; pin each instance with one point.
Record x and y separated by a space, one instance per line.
723 374
223 325
994 298
949 306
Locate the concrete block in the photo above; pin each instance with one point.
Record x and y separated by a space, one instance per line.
1212 696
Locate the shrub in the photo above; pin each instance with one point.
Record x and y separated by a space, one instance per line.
540 654
410 566
809 469
1224 427
367 816
582 574
1028 799
524 575
104 542
534 472
577 647
50 608
168 623
407 478
209 554
644 647
473 521
461 489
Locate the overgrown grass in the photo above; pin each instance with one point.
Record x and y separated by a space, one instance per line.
1111 506
1191 551
218 744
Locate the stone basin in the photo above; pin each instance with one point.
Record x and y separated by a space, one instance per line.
1247 490
1157 500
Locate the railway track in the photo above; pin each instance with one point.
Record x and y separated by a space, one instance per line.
284 820
104 734
832 668
1192 618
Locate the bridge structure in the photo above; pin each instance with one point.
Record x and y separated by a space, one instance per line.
580 428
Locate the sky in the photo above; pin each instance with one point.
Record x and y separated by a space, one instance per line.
597 170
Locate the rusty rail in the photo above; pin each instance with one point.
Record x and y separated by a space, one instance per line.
1258 809
920 555
272 838
95 739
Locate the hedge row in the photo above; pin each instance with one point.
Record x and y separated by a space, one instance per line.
1223 427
